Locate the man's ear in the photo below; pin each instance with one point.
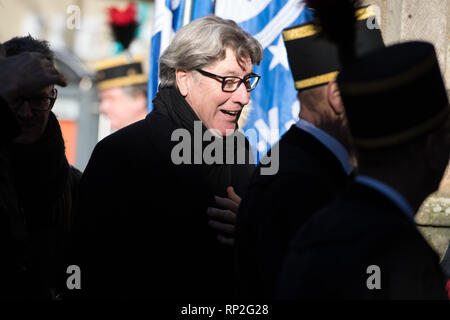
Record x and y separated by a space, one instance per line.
55 92
182 80
334 98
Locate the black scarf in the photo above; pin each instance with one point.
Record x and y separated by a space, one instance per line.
173 105
41 170
8 124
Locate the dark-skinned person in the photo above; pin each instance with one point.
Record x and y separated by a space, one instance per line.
37 186
365 244
143 229
315 158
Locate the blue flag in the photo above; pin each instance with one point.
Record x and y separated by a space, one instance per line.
201 8
168 19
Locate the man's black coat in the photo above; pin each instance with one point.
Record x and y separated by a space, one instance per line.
330 256
38 198
10 277
309 177
144 230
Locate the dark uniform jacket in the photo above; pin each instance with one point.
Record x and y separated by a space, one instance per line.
38 198
143 231
330 256
309 177
9 209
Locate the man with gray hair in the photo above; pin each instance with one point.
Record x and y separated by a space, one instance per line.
143 230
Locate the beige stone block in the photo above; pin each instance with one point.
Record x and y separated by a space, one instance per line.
427 20
447 71
393 15
444 188
381 6
433 219
437 238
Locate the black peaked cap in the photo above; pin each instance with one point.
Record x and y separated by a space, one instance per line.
394 95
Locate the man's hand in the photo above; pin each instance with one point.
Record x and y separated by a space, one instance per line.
223 217
25 74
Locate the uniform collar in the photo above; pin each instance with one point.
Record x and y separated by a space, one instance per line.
389 192
335 147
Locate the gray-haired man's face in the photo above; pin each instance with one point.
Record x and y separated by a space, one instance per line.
218 110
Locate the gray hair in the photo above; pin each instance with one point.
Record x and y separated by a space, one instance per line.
203 42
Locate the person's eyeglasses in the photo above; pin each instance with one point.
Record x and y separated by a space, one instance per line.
232 83
39 103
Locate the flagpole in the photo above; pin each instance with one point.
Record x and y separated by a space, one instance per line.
187 13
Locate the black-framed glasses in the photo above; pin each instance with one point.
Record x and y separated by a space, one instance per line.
232 83
39 103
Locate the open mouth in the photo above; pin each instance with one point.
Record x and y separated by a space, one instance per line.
230 113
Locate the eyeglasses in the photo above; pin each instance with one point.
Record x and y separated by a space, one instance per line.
232 83
38 103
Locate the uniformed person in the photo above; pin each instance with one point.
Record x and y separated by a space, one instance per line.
122 86
315 159
365 245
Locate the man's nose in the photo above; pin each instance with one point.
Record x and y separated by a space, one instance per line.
241 95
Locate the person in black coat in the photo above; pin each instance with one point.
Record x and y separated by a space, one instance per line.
315 160
144 228
365 245
37 185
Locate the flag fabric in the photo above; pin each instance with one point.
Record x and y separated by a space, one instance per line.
168 19
274 105
201 8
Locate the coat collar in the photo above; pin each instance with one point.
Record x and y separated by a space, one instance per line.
333 145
